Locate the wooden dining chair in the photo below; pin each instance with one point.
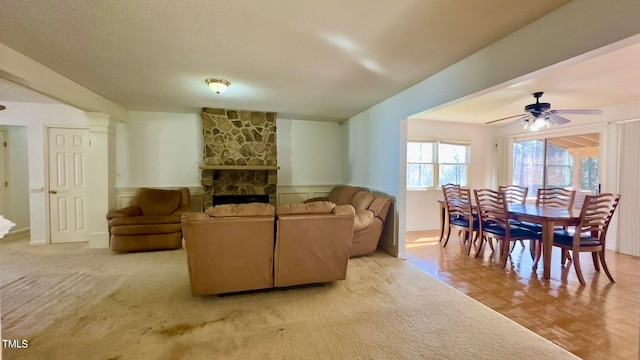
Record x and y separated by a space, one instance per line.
550 197
449 190
591 234
494 222
515 195
459 208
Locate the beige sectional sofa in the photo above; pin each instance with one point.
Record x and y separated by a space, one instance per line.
371 213
240 247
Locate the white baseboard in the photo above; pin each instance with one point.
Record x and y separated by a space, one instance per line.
423 228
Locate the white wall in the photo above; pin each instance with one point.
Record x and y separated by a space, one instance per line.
18 195
310 152
422 210
374 151
157 149
35 117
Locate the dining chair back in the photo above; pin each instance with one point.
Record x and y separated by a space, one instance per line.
494 222
460 213
591 234
551 197
555 197
514 193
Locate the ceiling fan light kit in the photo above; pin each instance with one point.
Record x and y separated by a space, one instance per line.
540 115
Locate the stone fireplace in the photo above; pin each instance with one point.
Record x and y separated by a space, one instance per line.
240 155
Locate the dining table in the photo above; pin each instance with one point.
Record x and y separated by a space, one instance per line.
548 217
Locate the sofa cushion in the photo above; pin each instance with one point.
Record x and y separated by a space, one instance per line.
316 207
342 195
240 210
362 199
344 210
363 219
158 201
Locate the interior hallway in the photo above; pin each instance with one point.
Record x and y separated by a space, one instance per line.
597 321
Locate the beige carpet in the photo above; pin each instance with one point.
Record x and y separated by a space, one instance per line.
71 302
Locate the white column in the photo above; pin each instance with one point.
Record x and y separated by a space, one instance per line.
101 172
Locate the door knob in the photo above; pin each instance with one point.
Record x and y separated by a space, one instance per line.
53 192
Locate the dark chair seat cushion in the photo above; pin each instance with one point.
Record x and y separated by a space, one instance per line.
565 237
460 221
531 226
464 222
515 231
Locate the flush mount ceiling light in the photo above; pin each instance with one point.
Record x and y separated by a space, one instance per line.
218 85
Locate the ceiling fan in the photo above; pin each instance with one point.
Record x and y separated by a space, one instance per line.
540 115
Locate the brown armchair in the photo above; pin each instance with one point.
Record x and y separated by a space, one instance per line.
151 222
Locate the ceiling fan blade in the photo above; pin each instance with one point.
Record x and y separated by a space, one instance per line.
507 118
577 112
518 121
558 119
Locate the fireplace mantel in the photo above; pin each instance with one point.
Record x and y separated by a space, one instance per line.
239 167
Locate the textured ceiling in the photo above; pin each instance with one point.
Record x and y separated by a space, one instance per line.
326 60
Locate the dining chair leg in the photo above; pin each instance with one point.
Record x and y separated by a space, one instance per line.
596 263
504 252
576 265
446 239
536 248
565 258
480 247
490 242
604 266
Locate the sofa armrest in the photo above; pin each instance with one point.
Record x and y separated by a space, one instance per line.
127 211
363 219
194 216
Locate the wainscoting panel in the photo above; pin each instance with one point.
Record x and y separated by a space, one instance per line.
125 194
293 194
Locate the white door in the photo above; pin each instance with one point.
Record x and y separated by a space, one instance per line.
68 150
3 173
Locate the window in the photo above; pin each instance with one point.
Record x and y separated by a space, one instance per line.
432 163
569 162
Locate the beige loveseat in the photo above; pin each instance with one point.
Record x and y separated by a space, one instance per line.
371 212
240 247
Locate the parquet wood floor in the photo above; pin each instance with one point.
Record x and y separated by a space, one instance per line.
598 321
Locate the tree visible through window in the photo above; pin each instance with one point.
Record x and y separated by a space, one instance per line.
431 164
569 162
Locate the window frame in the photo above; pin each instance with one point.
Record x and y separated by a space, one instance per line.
435 143
600 129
